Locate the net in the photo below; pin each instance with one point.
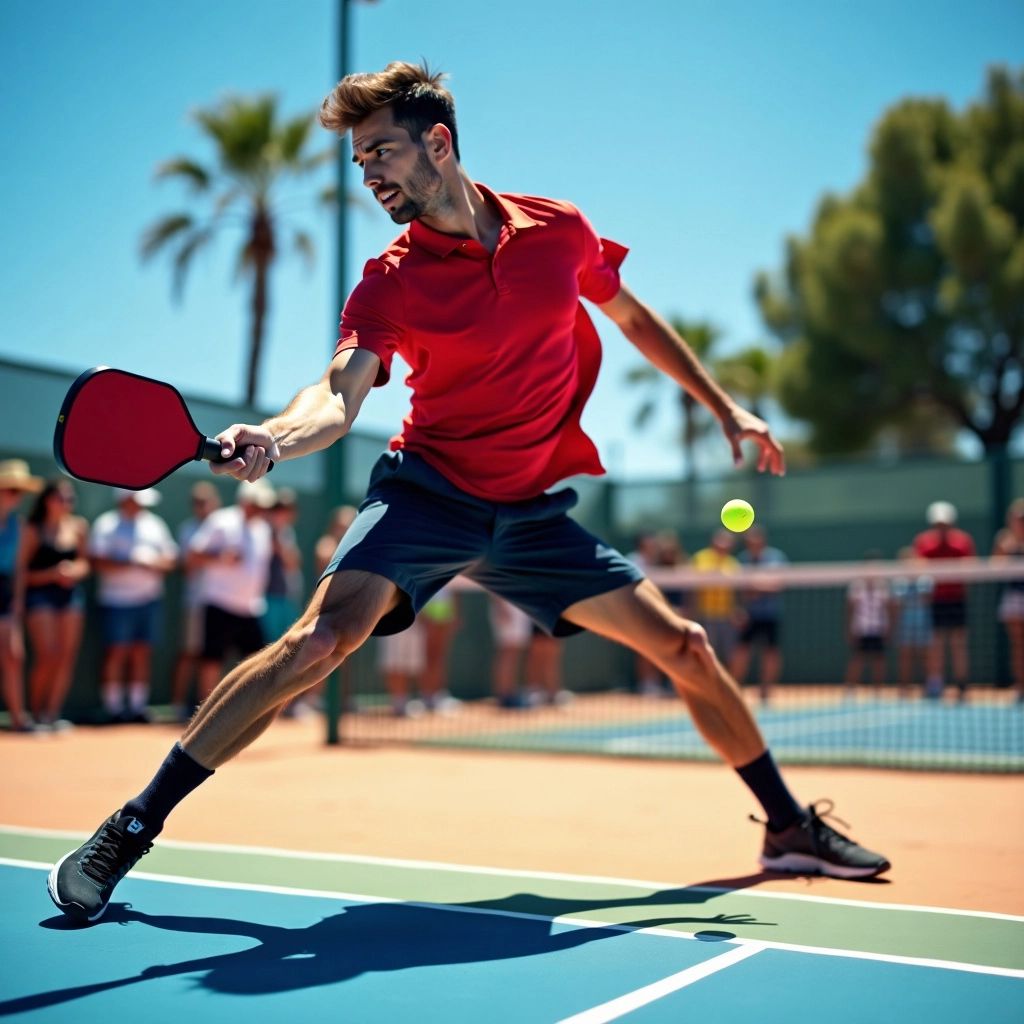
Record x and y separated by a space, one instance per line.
855 685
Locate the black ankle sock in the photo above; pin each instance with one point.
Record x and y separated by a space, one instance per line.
763 778
174 780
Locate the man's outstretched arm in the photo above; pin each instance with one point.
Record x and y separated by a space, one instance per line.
316 417
666 350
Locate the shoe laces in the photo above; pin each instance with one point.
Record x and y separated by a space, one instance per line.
112 851
821 831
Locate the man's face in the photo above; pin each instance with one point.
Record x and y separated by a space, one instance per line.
396 168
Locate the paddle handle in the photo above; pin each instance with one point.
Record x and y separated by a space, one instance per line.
210 452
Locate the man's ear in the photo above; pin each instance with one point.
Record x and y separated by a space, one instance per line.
437 140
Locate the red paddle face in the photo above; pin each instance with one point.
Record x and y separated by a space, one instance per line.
124 430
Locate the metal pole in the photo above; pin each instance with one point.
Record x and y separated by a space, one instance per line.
334 474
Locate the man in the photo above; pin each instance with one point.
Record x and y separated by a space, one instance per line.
132 552
762 609
233 547
949 600
205 499
481 297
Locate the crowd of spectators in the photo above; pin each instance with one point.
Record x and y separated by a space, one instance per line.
243 586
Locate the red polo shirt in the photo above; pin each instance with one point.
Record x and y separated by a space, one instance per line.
503 357
949 543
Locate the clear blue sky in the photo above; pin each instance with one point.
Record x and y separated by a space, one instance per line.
698 133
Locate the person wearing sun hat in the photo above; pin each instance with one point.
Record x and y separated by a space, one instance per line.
15 482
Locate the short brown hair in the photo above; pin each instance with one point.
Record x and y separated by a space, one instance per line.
413 91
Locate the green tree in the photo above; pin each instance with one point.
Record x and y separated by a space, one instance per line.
904 305
702 338
256 154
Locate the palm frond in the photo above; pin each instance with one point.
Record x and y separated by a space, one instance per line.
243 130
183 260
194 174
157 236
305 247
292 137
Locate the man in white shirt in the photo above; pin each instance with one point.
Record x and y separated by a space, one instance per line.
132 551
204 500
234 547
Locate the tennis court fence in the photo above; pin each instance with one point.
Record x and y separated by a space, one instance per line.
860 649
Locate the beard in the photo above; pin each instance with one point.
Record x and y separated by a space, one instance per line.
421 194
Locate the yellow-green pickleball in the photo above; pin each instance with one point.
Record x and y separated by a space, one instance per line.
737 515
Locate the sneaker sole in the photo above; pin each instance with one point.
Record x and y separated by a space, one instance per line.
805 864
72 910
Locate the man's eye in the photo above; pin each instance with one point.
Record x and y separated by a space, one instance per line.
380 152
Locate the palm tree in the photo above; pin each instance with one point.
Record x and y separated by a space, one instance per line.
702 337
255 153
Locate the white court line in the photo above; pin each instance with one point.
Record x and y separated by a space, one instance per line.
474 869
588 923
616 1008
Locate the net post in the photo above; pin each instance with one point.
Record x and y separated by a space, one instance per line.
333 709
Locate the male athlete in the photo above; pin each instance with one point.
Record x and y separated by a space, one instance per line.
481 296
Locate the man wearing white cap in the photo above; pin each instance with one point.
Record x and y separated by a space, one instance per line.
949 599
132 551
234 547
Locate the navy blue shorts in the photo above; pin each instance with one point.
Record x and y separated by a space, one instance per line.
418 530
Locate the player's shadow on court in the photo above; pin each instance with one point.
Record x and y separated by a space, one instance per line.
382 937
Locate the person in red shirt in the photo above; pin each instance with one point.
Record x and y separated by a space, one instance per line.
480 295
949 599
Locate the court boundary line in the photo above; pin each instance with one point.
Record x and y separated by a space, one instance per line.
618 1007
660 932
554 876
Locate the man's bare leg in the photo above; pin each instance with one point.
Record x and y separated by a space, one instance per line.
796 839
639 617
340 616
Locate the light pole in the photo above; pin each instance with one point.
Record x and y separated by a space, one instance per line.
334 469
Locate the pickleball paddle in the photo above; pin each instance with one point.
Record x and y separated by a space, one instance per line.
125 430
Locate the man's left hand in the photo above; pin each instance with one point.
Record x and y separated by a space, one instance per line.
740 425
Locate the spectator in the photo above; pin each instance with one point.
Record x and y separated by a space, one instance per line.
205 499
761 615
15 482
715 603
132 551
1009 544
284 583
511 628
401 659
53 553
912 607
441 620
234 547
867 627
669 554
341 519
949 599
645 556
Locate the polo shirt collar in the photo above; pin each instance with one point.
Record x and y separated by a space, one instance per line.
514 217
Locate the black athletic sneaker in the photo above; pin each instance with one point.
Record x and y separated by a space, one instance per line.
811 847
82 882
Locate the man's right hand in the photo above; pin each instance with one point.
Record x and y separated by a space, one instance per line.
248 449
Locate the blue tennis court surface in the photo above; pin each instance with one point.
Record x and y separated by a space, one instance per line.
441 943
914 734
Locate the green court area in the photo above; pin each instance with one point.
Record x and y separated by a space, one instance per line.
223 933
